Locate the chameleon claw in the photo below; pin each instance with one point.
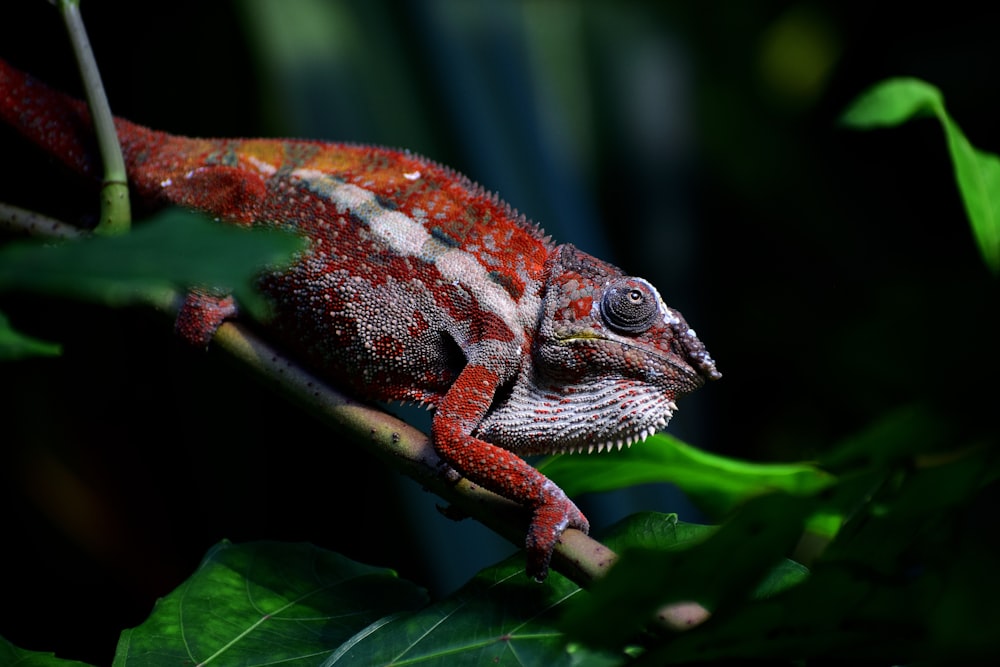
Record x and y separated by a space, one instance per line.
548 523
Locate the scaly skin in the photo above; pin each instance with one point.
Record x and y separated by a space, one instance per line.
420 286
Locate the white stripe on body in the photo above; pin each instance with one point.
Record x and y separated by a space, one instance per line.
408 238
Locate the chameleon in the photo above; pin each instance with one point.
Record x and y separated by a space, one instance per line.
418 285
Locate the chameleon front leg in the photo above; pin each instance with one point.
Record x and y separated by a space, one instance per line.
201 314
498 469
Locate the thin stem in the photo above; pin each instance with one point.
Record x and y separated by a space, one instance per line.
18 219
116 214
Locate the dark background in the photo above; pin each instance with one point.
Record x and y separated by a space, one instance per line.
832 274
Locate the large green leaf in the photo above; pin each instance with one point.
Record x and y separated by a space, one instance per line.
12 656
265 603
295 604
977 172
716 483
501 617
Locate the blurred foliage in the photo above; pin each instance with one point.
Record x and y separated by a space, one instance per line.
829 272
15 345
175 251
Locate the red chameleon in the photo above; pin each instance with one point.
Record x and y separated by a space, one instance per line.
419 285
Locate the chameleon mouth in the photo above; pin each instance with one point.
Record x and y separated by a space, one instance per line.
626 440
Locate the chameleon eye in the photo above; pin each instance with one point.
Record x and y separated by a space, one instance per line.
629 306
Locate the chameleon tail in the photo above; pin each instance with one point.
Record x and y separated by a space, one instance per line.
56 122
61 124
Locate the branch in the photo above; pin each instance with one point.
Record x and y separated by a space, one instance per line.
14 218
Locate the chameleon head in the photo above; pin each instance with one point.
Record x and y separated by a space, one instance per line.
609 358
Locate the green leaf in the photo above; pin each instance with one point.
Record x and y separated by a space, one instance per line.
895 101
785 574
891 103
663 532
15 345
978 176
501 617
715 483
16 657
272 603
176 250
742 559
655 530
265 603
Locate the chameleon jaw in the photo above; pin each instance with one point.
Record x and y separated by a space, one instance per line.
621 442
